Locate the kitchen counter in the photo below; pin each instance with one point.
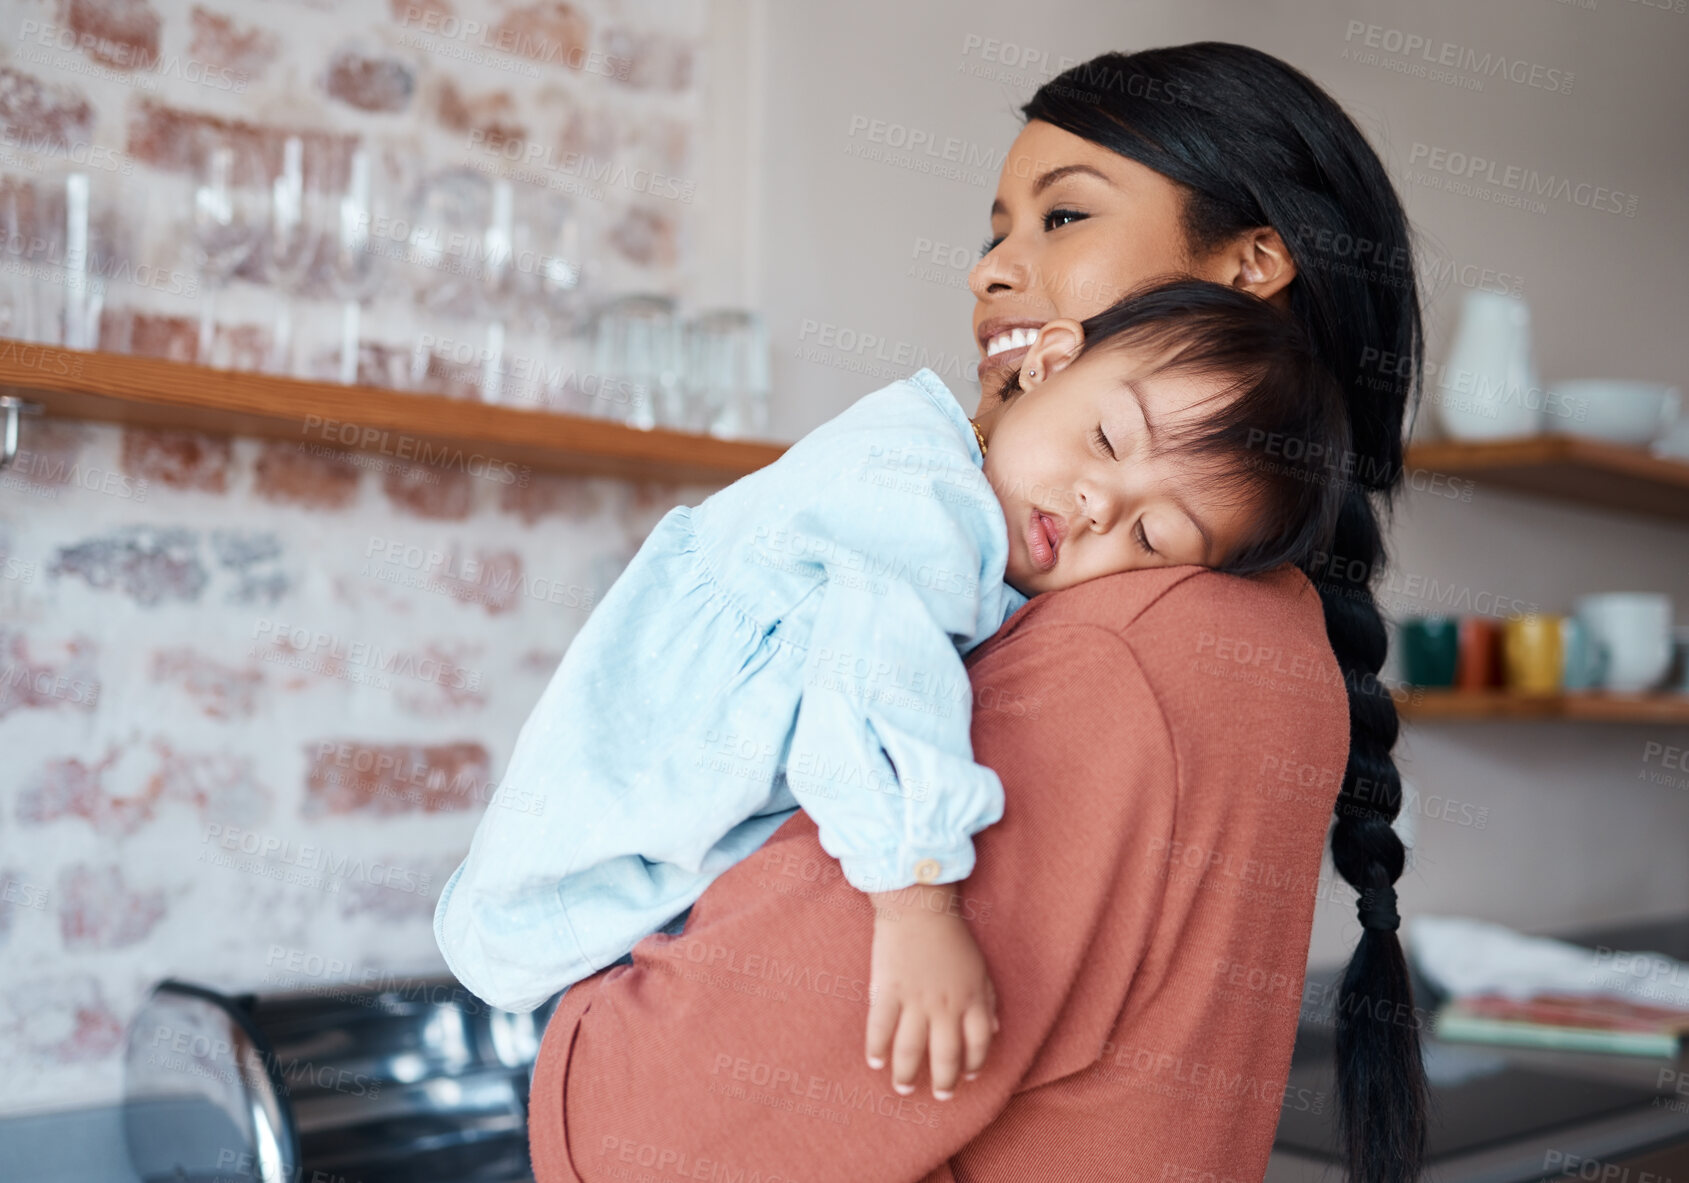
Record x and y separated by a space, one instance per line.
1517 1115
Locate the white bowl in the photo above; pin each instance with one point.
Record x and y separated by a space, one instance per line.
1613 410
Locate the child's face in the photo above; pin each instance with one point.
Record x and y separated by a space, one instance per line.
1110 507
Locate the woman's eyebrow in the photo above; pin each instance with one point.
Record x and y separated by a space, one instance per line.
1046 179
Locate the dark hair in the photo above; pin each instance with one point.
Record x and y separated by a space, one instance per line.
1273 389
1256 143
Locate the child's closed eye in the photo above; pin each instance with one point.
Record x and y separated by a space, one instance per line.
1143 538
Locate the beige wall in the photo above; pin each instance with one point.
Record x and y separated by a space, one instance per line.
1571 835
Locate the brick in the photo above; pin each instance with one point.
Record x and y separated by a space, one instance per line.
654 61
173 337
97 910
492 113
410 13
219 41
122 34
179 459
258 560
169 138
646 237
72 788
408 896
288 474
211 783
150 566
445 681
429 492
539 661
369 82
497 585
48 452
553 495
358 777
550 31
55 115
219 691
69 681
63 1019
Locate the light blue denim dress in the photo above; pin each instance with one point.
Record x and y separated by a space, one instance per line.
795 639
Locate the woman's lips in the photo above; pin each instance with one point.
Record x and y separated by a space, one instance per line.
1043 539
1002 362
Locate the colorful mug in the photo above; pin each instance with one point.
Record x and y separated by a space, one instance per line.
1532 653
1430 650
1479 666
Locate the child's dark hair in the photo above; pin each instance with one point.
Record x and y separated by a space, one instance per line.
1278 429
1254 143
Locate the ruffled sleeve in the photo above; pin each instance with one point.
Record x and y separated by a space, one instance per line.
913 545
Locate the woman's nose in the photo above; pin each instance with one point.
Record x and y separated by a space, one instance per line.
998 271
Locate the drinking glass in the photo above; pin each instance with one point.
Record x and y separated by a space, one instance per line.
727 374
354 255
298 222
229 215
637 359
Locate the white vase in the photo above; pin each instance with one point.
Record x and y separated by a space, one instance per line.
1487 388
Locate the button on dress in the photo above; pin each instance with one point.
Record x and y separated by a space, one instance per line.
794 640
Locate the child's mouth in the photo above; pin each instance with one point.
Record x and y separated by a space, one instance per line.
1043 538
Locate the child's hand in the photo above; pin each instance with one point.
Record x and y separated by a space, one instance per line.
929 992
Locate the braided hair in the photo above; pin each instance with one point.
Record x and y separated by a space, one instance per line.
1254 142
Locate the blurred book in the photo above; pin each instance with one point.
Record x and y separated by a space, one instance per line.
1568 1022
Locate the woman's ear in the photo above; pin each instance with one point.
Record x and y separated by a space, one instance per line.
1057 345
1257 261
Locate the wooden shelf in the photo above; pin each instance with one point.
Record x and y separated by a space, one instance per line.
156 393
1468 705
1566 468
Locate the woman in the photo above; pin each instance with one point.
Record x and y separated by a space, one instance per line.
1164 739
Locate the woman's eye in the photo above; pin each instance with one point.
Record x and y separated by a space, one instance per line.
1102 441
1143 539
1054 220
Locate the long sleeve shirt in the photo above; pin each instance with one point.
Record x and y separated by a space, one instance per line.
1171 744
796 639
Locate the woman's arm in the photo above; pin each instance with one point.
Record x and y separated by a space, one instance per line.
737 1047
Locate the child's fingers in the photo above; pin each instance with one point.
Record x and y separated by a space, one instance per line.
908 1049
976 1033
944 1046
882 1025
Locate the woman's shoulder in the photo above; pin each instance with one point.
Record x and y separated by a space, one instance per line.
1136 603
1198 635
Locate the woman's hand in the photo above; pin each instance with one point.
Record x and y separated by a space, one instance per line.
929 993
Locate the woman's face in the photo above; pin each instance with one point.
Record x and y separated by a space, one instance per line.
1076 226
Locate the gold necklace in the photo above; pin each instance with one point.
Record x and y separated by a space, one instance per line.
978 435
